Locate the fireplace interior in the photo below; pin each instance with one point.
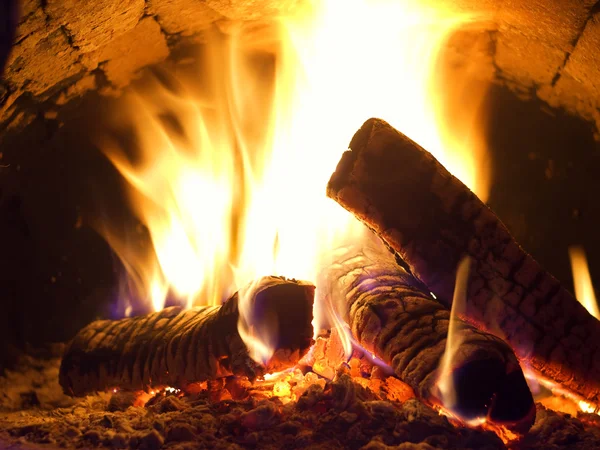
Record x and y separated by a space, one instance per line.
206 246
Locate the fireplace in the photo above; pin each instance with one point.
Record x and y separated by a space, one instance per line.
185 192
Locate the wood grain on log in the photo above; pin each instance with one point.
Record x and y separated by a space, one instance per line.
393 316
432 220
176 347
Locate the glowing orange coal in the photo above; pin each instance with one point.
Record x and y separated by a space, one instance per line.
483 423
564 401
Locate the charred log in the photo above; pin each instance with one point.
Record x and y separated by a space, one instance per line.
393 316
432 220
176 347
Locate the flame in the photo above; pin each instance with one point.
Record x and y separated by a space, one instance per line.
584 289
454 339
229 173
587 407
260 341
507 436
558 398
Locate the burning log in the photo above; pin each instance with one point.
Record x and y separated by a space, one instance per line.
393 316
176 347
432 220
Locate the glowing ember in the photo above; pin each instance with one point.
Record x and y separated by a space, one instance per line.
588 407
276 375
559 399
502 432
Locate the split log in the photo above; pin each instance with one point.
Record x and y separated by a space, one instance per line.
393 316
432 220
176 347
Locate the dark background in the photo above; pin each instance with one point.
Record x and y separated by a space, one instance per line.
57 273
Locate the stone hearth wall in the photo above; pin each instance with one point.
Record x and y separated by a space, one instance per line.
63 48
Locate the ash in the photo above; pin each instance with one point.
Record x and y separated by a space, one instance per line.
339 414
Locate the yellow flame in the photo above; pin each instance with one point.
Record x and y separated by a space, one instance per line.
561 399
454 339
584 289
230 180
587 407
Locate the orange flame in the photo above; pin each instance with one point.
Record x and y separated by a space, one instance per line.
560 399
230 183
584 289
507 436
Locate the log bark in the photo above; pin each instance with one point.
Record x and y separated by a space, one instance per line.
175 347
393 315
431 220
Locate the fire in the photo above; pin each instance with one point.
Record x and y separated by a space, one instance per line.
559 399
584 292
507 436
587 407
453 342
584 289
230 173
260 342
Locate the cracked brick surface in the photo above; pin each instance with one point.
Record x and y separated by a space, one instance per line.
42 60
542 44
183 16
120 60
577 82
252 9
92 25
544 48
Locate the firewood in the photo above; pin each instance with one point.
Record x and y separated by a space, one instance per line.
175 347
431 220
392 315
